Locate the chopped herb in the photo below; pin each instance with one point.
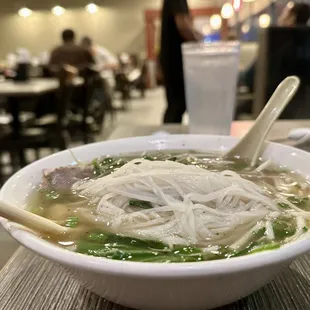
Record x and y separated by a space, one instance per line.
305 229
125 248
245 251
72 222
147 157
103 244
97 167
260 233
283 229
98 237
107 165
172 158
283 205
265 247
140 204
255 247
300 202
52 195
107 161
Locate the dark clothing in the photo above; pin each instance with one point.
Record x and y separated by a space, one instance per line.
171 39
175 94
71 54
247 78
283 58
171 60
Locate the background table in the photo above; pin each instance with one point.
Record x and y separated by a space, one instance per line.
33 87
29 282
29 88
279 131
17 92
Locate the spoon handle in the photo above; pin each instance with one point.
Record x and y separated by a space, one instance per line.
30 220
250 145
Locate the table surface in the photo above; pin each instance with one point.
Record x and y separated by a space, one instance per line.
279 131
35 86
29 282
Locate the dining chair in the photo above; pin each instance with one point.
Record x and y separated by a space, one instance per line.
123 87
109 108
88 118
55 123
50 134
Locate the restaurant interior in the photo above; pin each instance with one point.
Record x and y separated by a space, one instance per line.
43 112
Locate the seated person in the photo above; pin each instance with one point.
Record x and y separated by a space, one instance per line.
71 56
106 61
69 53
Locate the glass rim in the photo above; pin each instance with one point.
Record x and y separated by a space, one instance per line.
216 43
223 47
213 48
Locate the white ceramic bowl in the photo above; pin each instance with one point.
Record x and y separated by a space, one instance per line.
202 285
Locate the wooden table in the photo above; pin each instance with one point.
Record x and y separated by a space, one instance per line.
29 282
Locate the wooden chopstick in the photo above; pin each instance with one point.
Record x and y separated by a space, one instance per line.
30 220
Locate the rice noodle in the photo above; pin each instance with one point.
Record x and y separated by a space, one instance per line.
190 205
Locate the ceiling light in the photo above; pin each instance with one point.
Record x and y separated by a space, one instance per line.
58 10
264 20
215 22
248 0
227 11
24 12
91 8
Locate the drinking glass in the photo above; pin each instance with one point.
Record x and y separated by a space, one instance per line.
210 74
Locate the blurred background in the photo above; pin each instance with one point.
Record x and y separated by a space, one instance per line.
120 25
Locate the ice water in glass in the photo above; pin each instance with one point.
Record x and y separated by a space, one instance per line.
211 73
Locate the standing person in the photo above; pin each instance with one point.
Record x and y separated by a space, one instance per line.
294 14
69 53
177 27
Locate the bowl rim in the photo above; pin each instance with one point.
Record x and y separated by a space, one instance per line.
155 270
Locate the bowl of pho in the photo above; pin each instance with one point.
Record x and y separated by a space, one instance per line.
167 222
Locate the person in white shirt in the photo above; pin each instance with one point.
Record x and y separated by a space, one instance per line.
106 61
104 57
